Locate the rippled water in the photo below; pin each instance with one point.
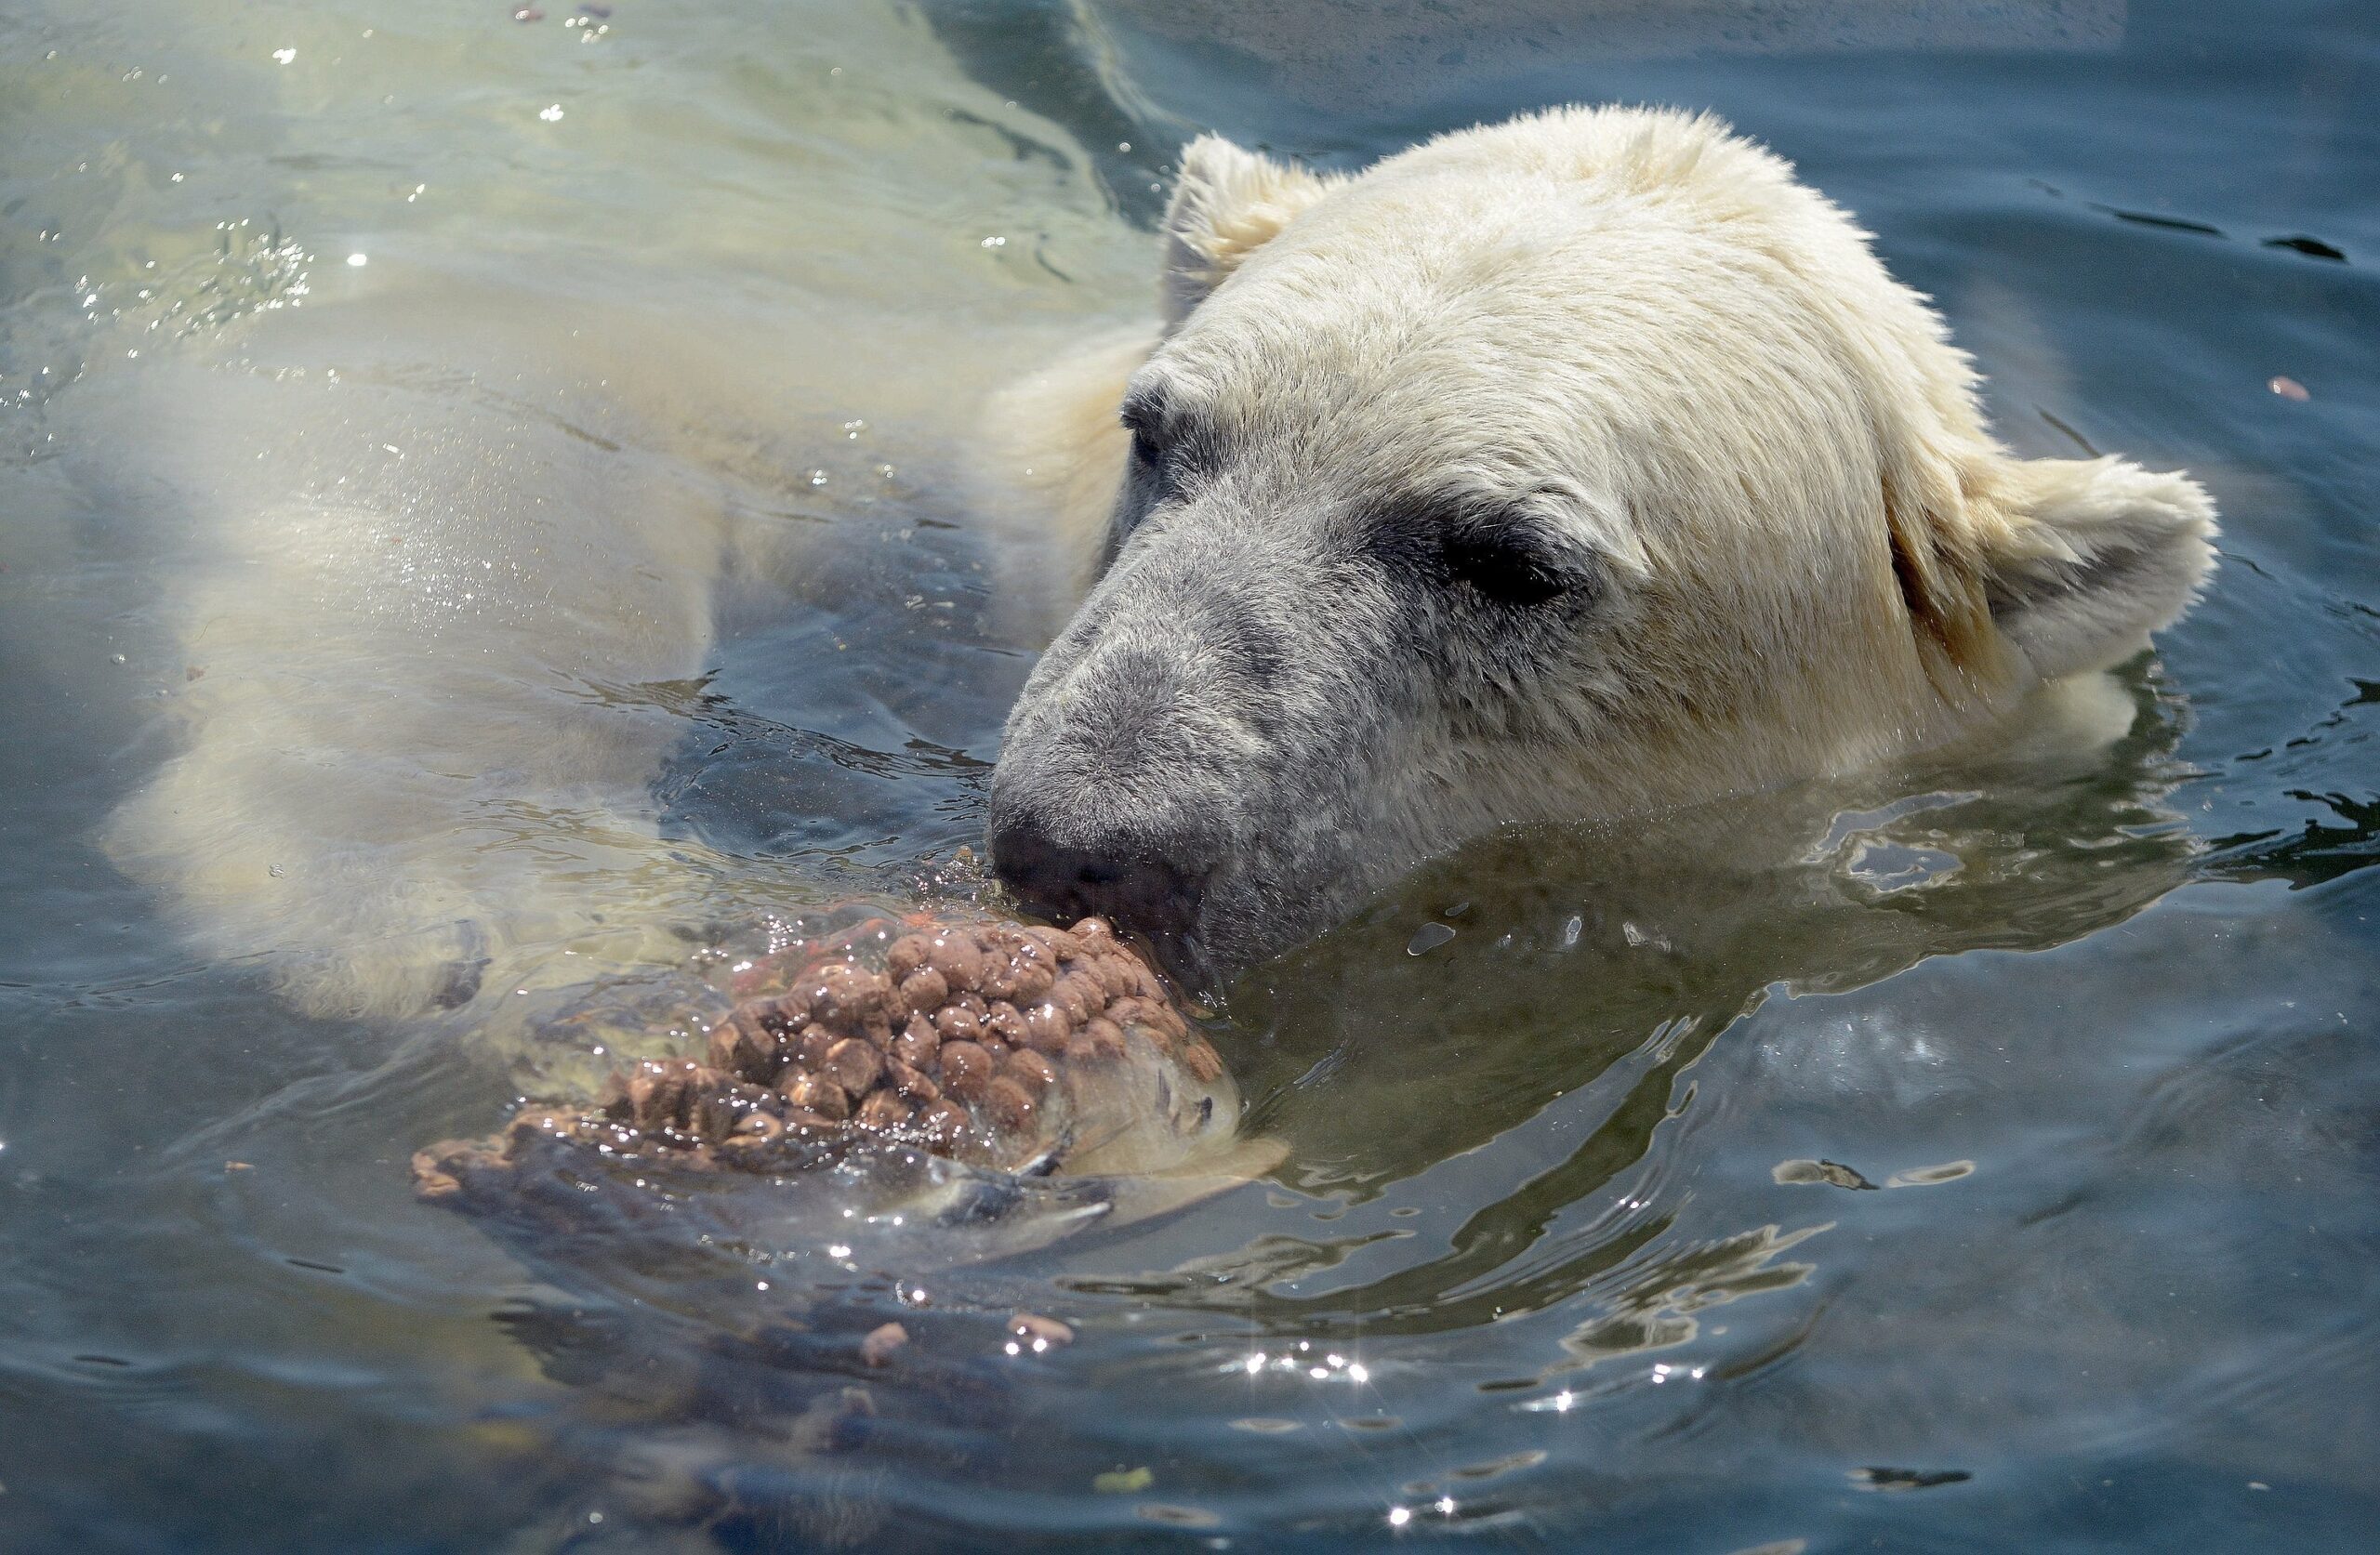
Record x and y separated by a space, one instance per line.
1979 1156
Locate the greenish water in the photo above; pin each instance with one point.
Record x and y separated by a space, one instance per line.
1976 1157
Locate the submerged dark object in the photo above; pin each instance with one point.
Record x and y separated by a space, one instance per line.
970 1075
2313 248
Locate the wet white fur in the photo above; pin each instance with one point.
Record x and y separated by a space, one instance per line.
1819 555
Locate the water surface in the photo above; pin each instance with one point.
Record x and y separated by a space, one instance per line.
1980 1155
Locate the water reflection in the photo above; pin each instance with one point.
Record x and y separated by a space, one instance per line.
1573 1227
1594 967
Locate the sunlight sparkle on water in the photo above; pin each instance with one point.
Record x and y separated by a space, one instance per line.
1336 1367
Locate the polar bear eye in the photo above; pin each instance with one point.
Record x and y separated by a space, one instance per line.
1143 418
1507 567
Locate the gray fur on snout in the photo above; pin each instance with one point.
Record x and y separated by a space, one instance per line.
1218 708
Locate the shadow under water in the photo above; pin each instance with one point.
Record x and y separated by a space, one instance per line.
1592 967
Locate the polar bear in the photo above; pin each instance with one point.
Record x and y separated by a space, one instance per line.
1575 466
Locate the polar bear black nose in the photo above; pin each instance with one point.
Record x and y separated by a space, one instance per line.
1133 882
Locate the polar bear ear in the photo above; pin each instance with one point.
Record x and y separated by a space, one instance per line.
1227 203
2100 554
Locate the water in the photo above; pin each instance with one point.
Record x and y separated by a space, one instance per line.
1571 1248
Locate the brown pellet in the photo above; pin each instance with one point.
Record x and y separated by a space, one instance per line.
882 1110
924 990
1031 1069
761 1125
739 1045
1115 973
784 1013
1201 1060
1106 1038
1155 1018
955 1025
1007 1022
817 1094
956 957
854 1063
906 954
1078 994
911 1081
966 1069
854 1001
1057 941
944 1123
1047 1028
1008 1104
919 1042
658 1094
723 1046
809 1048
1034 980
713 1118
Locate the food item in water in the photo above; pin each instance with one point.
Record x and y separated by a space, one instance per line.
994 1043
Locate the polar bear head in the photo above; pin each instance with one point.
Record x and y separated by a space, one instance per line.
1575 466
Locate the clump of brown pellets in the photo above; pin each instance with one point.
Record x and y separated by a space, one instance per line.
957 1037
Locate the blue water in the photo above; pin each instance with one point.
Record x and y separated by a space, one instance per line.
1571 1248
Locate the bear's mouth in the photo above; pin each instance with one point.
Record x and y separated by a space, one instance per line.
1157 898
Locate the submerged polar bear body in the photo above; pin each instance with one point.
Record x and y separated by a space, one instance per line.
1571 467
1577 467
